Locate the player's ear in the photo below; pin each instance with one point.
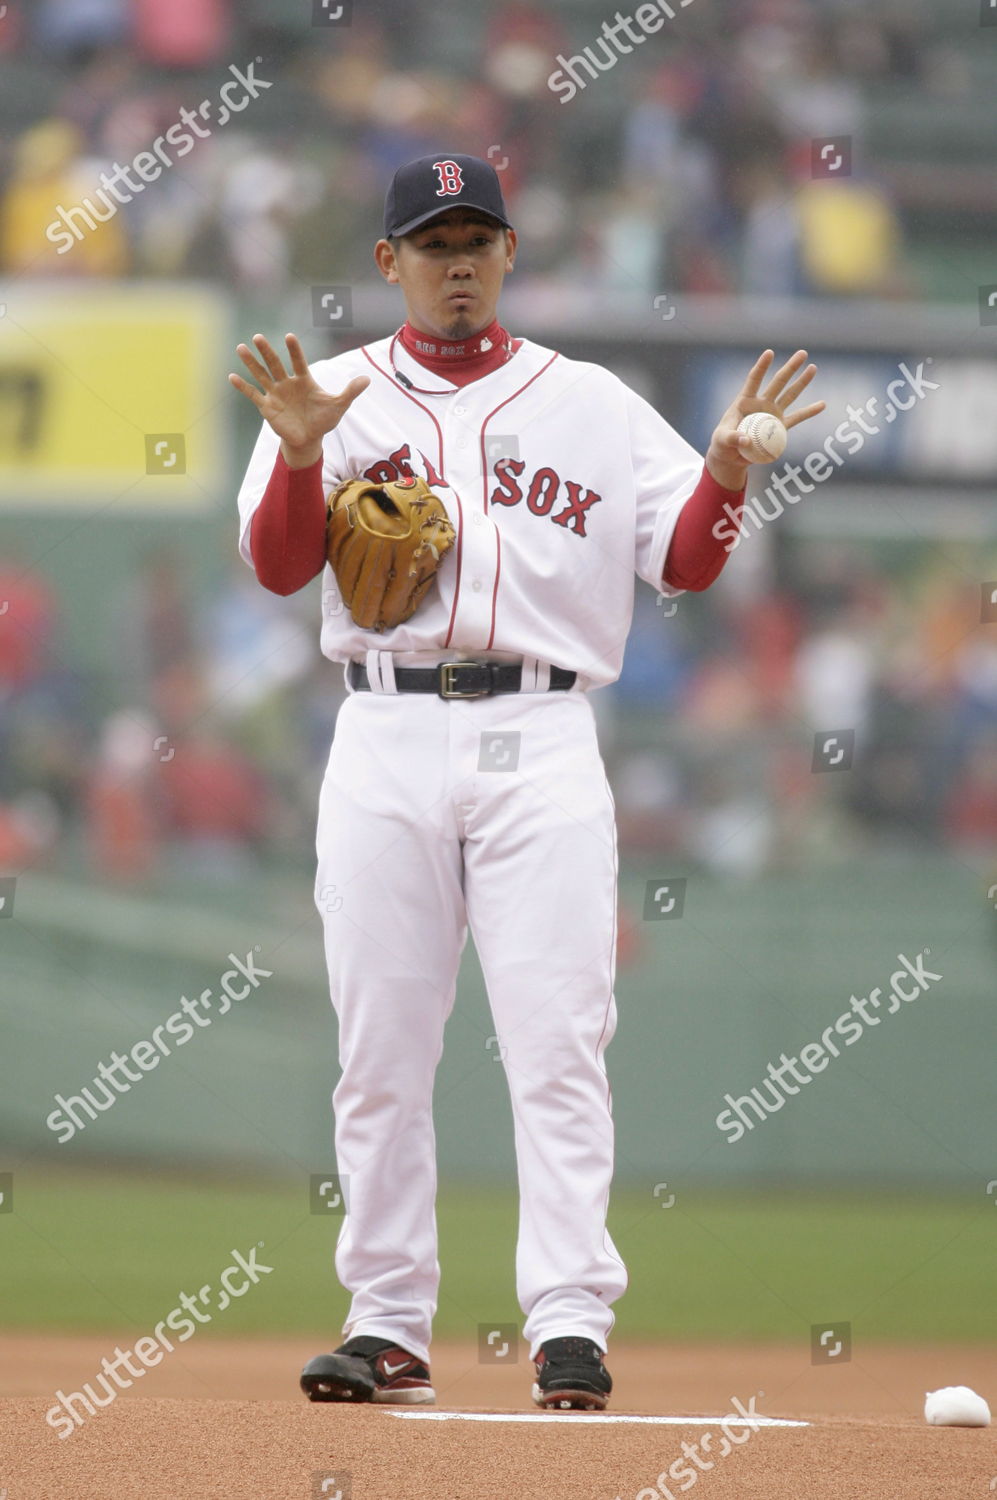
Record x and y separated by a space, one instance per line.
386 258
510 245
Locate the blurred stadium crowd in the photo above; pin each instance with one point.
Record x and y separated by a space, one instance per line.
204 744
686 166
204 749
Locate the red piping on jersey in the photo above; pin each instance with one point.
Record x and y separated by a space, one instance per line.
498 574
398 387
442 467
522 388
460 560
484 484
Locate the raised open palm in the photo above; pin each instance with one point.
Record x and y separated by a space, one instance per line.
297 408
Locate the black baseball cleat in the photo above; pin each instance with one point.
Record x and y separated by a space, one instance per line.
368 1369
571 1376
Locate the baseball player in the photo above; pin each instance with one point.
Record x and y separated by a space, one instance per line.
464 787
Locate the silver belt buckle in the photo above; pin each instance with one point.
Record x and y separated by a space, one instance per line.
448 688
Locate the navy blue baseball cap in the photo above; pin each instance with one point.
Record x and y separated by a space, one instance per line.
422 189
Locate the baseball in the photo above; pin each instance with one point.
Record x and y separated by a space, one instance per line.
956 1406
761 438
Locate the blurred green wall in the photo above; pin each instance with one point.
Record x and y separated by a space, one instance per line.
752 969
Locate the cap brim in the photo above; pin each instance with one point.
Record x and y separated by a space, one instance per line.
437 213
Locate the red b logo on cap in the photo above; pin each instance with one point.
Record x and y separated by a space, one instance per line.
451 178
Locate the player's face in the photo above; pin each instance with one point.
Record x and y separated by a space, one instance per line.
450 271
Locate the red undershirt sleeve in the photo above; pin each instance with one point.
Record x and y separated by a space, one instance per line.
696 553
287 535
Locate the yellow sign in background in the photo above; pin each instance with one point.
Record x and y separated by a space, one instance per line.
113 396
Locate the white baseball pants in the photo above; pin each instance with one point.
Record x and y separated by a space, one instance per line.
416 843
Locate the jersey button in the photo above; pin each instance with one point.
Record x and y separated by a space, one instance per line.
478 518
460 411
476 585
462 442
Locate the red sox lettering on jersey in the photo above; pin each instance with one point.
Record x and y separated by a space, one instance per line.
561 484
398 465
541 490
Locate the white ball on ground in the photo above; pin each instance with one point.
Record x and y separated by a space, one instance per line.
956 1406
762 437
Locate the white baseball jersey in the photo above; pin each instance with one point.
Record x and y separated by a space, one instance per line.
561 482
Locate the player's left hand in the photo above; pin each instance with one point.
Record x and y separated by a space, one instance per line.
724 459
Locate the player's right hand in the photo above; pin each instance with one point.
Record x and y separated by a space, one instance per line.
297 408
725 458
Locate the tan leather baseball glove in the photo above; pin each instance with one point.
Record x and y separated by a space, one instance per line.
384 542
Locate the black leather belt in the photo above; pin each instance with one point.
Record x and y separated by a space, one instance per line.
460 679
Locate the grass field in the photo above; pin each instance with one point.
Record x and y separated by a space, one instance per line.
95 1251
